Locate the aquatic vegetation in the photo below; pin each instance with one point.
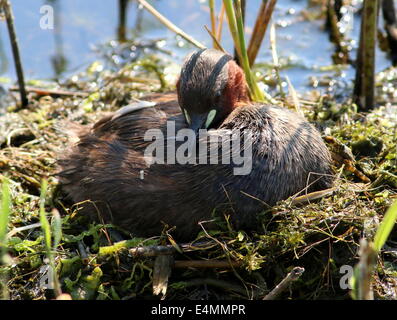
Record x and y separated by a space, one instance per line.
321 236
89 261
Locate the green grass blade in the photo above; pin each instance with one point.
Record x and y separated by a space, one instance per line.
385 227
57 231
5 211
361 279
236 26
231 18
256 92
45 225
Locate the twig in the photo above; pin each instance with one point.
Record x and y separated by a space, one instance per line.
153 251
217 45
17 230
156 251
349 166
170 25
52 92
294 97
5 4
312 196
364 272
161 272
291 277
207 264
124 78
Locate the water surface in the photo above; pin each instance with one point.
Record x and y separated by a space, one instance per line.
82 25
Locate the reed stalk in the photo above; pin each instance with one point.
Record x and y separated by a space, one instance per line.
5 4
239 5
170 25
122 28
217 44
364 88
262 21
211 4
221 18
236 27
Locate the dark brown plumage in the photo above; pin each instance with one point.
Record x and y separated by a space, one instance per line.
288 157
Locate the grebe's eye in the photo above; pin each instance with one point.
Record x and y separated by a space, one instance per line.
210 118
187 117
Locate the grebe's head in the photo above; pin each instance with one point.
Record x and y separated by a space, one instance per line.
210 86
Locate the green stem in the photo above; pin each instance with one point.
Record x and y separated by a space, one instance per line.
236 27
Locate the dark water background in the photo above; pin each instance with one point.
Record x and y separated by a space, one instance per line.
88 23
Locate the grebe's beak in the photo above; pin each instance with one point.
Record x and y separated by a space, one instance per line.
202 121
197 122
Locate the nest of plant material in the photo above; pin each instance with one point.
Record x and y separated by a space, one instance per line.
301 243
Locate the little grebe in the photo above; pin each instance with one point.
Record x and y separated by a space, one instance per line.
109 165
